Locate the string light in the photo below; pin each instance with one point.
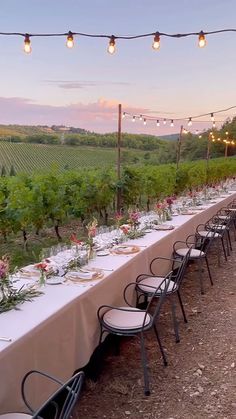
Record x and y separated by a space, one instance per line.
123 115
190 122
144 121
112 45
27 44
171 123
133 120
112 38
201 40
70 40
212 117
156 42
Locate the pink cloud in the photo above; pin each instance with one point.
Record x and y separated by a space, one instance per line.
100 116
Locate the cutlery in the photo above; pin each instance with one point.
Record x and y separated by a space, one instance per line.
105 269
5 339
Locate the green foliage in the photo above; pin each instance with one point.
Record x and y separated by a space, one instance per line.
33 202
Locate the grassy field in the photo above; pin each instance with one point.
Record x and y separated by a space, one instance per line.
30 158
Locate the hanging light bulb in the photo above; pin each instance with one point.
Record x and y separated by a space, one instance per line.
133 119
141 117
158 123
70 40
201 40
123 115
212 117
213 124
218 139
199 136
144 121
164 121
171 123
112 45
232 142
156 41
27 44
190 122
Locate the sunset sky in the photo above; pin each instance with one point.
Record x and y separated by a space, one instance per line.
82 86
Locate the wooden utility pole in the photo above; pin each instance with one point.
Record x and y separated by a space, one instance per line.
179 147
208 156
118 200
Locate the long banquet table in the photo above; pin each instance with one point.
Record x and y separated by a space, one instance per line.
58 331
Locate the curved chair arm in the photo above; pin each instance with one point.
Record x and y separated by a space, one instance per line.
160 258
44 374
200 227
188 244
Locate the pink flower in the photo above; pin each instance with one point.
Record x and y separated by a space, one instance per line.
73 239
125 228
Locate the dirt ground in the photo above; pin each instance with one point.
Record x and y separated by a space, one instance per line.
200 379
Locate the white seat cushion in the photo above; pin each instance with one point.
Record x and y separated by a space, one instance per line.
15 416
205 233
125 319
217 227
222 217
194 253
155 281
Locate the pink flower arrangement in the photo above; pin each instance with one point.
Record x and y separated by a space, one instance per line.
125 228
4 267
92 228
74 239
134 217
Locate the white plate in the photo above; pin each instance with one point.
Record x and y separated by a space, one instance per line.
148 230
55 280
103 253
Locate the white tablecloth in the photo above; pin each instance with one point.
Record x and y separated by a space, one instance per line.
58 332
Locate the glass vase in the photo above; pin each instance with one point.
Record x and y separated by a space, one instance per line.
42 279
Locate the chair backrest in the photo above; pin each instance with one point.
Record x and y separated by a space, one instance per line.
203 243
61 403
155 302
179 266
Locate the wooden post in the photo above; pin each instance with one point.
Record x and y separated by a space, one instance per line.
208 157
118 201
179 147
226 149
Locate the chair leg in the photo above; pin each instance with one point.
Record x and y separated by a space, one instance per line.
160 345
208 269
223 247
175 321
145 366
218 251
182 307
229 238
200 275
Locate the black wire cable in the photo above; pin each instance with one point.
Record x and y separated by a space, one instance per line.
126 37
161 118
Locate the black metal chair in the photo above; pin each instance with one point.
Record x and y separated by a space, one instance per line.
58 406
132 321
221 226
178 268
199 249
205 230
